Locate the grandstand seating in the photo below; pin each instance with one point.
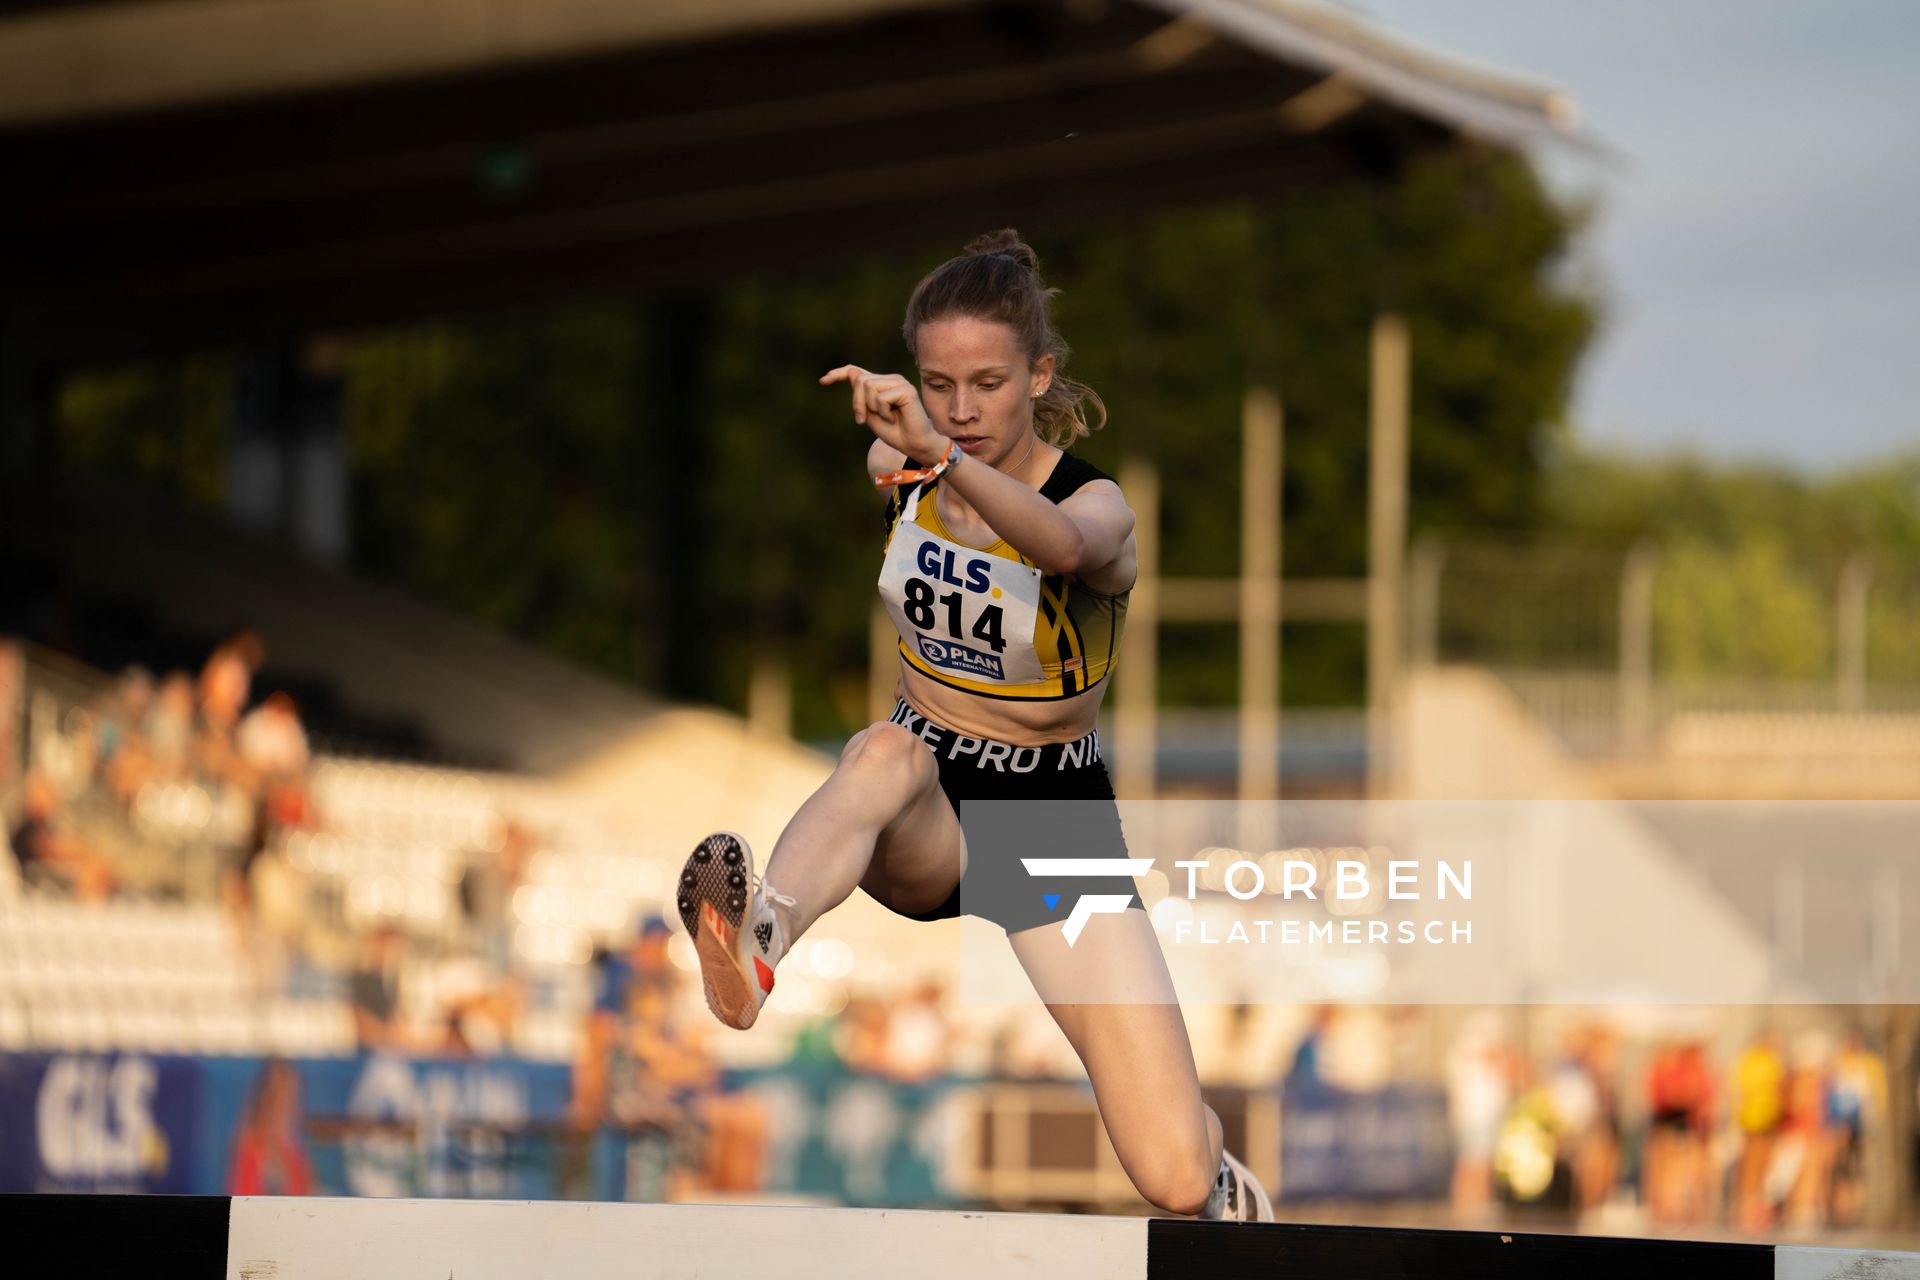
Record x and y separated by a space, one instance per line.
164 978
166 968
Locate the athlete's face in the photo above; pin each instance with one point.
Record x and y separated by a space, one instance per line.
978 387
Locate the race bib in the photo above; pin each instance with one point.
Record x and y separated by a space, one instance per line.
962 612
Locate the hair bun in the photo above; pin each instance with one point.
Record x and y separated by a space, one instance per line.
1007 241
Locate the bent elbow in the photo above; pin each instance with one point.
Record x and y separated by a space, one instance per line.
1069 560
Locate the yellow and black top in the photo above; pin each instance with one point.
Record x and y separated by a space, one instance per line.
985 619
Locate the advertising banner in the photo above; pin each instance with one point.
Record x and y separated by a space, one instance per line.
386 1126
368 1126
99 1123
1391 1144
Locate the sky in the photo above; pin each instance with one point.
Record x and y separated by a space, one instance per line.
1759 244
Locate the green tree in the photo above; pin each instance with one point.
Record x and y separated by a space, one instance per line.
1754 554
1747 611
498 467
162 421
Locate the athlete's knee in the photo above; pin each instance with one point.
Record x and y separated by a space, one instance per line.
1176 1180
888 749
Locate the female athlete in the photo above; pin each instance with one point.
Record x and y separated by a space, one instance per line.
1008 566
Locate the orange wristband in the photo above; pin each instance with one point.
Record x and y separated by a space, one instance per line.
889 479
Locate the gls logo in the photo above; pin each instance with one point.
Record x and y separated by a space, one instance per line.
95 1118
939 564
1087 905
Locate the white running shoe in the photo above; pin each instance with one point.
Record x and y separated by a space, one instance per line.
728 913
1237 1195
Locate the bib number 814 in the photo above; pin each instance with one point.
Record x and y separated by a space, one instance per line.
919 606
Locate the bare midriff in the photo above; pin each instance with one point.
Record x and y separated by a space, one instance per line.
1022 722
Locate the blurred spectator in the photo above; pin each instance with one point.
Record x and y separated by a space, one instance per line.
646 963
1856 1100
646 1072
659 1082
618 977
269 1158
1306 1067
227 679
126 762
49 856
374 991
275 809
1481 1076
480 993
124 713
1759 1106
272 742
1797 1177
478 1007
224 685
271 750
1598 1167
1680 1097
67 759
487 886
1530 1155
1585 1124
169 728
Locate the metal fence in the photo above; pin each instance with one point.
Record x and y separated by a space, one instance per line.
1614 649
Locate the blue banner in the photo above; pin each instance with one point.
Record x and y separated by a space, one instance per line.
368 1126
98 1123
494 1128
387 1126
1391 1144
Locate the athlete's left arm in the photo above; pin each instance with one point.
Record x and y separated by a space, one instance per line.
1088 536
1106 528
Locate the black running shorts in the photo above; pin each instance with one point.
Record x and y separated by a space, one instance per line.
998 886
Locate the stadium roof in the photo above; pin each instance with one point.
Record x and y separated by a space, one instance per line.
192 170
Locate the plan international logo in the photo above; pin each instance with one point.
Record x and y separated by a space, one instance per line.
957 657
1087 905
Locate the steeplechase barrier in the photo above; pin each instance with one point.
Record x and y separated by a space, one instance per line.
265 1238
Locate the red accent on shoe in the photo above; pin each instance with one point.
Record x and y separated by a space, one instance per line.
765 974
711 918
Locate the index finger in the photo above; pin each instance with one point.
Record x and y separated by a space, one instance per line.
842 374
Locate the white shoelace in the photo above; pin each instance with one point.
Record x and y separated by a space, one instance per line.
771 894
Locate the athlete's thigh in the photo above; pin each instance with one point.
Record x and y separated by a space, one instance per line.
1112 996
920 856
1116 960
